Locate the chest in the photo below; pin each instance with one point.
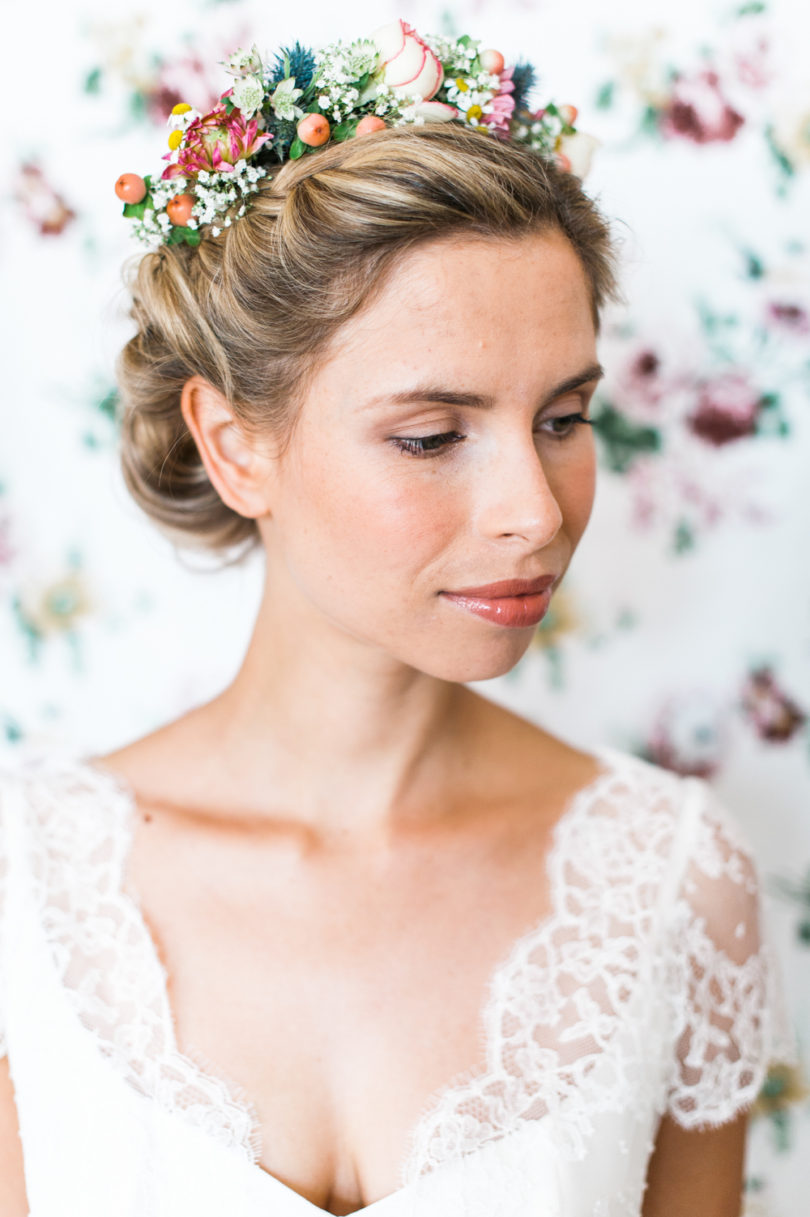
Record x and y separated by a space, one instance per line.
339 996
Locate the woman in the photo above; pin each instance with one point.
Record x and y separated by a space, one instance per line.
350 937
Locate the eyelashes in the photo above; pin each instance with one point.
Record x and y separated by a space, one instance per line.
430 445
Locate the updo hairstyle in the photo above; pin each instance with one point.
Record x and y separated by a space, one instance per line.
253 309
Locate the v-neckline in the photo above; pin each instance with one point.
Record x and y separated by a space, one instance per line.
210 1077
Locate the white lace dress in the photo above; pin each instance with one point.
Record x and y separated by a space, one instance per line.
652 986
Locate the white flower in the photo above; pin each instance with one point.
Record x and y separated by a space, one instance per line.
283 100
244 63
579 148
179 122
248 94
360 57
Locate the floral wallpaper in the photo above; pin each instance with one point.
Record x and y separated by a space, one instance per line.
683 629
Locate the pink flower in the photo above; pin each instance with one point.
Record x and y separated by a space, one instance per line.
775 716
215 143
788 316
44 206
727 409
698 110
503 105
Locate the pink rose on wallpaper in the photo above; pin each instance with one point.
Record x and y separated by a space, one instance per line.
188 79
698 110
641 381
774 715
43 205
788 317
687 735
727 409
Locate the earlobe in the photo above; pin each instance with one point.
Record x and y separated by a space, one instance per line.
235 468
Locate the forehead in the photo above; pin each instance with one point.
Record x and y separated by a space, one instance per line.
465 303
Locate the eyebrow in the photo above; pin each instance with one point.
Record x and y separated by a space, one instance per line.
481 401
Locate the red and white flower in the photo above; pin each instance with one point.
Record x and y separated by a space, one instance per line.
410 68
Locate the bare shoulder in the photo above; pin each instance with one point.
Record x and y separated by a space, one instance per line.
160 767
696 1170
13 1201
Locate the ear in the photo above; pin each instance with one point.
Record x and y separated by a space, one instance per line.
238 469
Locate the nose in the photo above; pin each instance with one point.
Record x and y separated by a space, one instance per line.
515 497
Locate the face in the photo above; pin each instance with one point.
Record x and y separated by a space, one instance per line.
441 449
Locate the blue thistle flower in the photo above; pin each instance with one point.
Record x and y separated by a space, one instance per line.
297 61
524 79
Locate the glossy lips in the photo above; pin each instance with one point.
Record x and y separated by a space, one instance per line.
519 603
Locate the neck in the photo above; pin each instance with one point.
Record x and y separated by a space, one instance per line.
340 735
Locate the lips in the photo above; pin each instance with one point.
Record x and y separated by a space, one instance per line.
506 587
516 603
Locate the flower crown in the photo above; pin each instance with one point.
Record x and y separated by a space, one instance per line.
307 98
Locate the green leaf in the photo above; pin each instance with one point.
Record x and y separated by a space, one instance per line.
622 439
191 236
92 81
134 211
605 95
297 148
684 538
754 267
345 129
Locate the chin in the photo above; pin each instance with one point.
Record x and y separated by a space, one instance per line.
479 663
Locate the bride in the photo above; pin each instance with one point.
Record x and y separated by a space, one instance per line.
351 937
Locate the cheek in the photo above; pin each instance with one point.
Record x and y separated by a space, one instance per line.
574 487
355 516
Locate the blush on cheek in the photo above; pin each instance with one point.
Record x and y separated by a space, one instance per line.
575 491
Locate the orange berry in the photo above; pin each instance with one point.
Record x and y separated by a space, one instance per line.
492 61
313 129
179 208
568 114
371 122
130 188
563 162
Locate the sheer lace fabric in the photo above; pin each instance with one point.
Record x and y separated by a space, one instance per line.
650 987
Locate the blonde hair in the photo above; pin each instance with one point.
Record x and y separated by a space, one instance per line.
253 309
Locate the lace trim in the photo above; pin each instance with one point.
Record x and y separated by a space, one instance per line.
570 987
734 1021
106 958
567 992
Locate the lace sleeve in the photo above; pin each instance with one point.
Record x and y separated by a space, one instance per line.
728 1005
